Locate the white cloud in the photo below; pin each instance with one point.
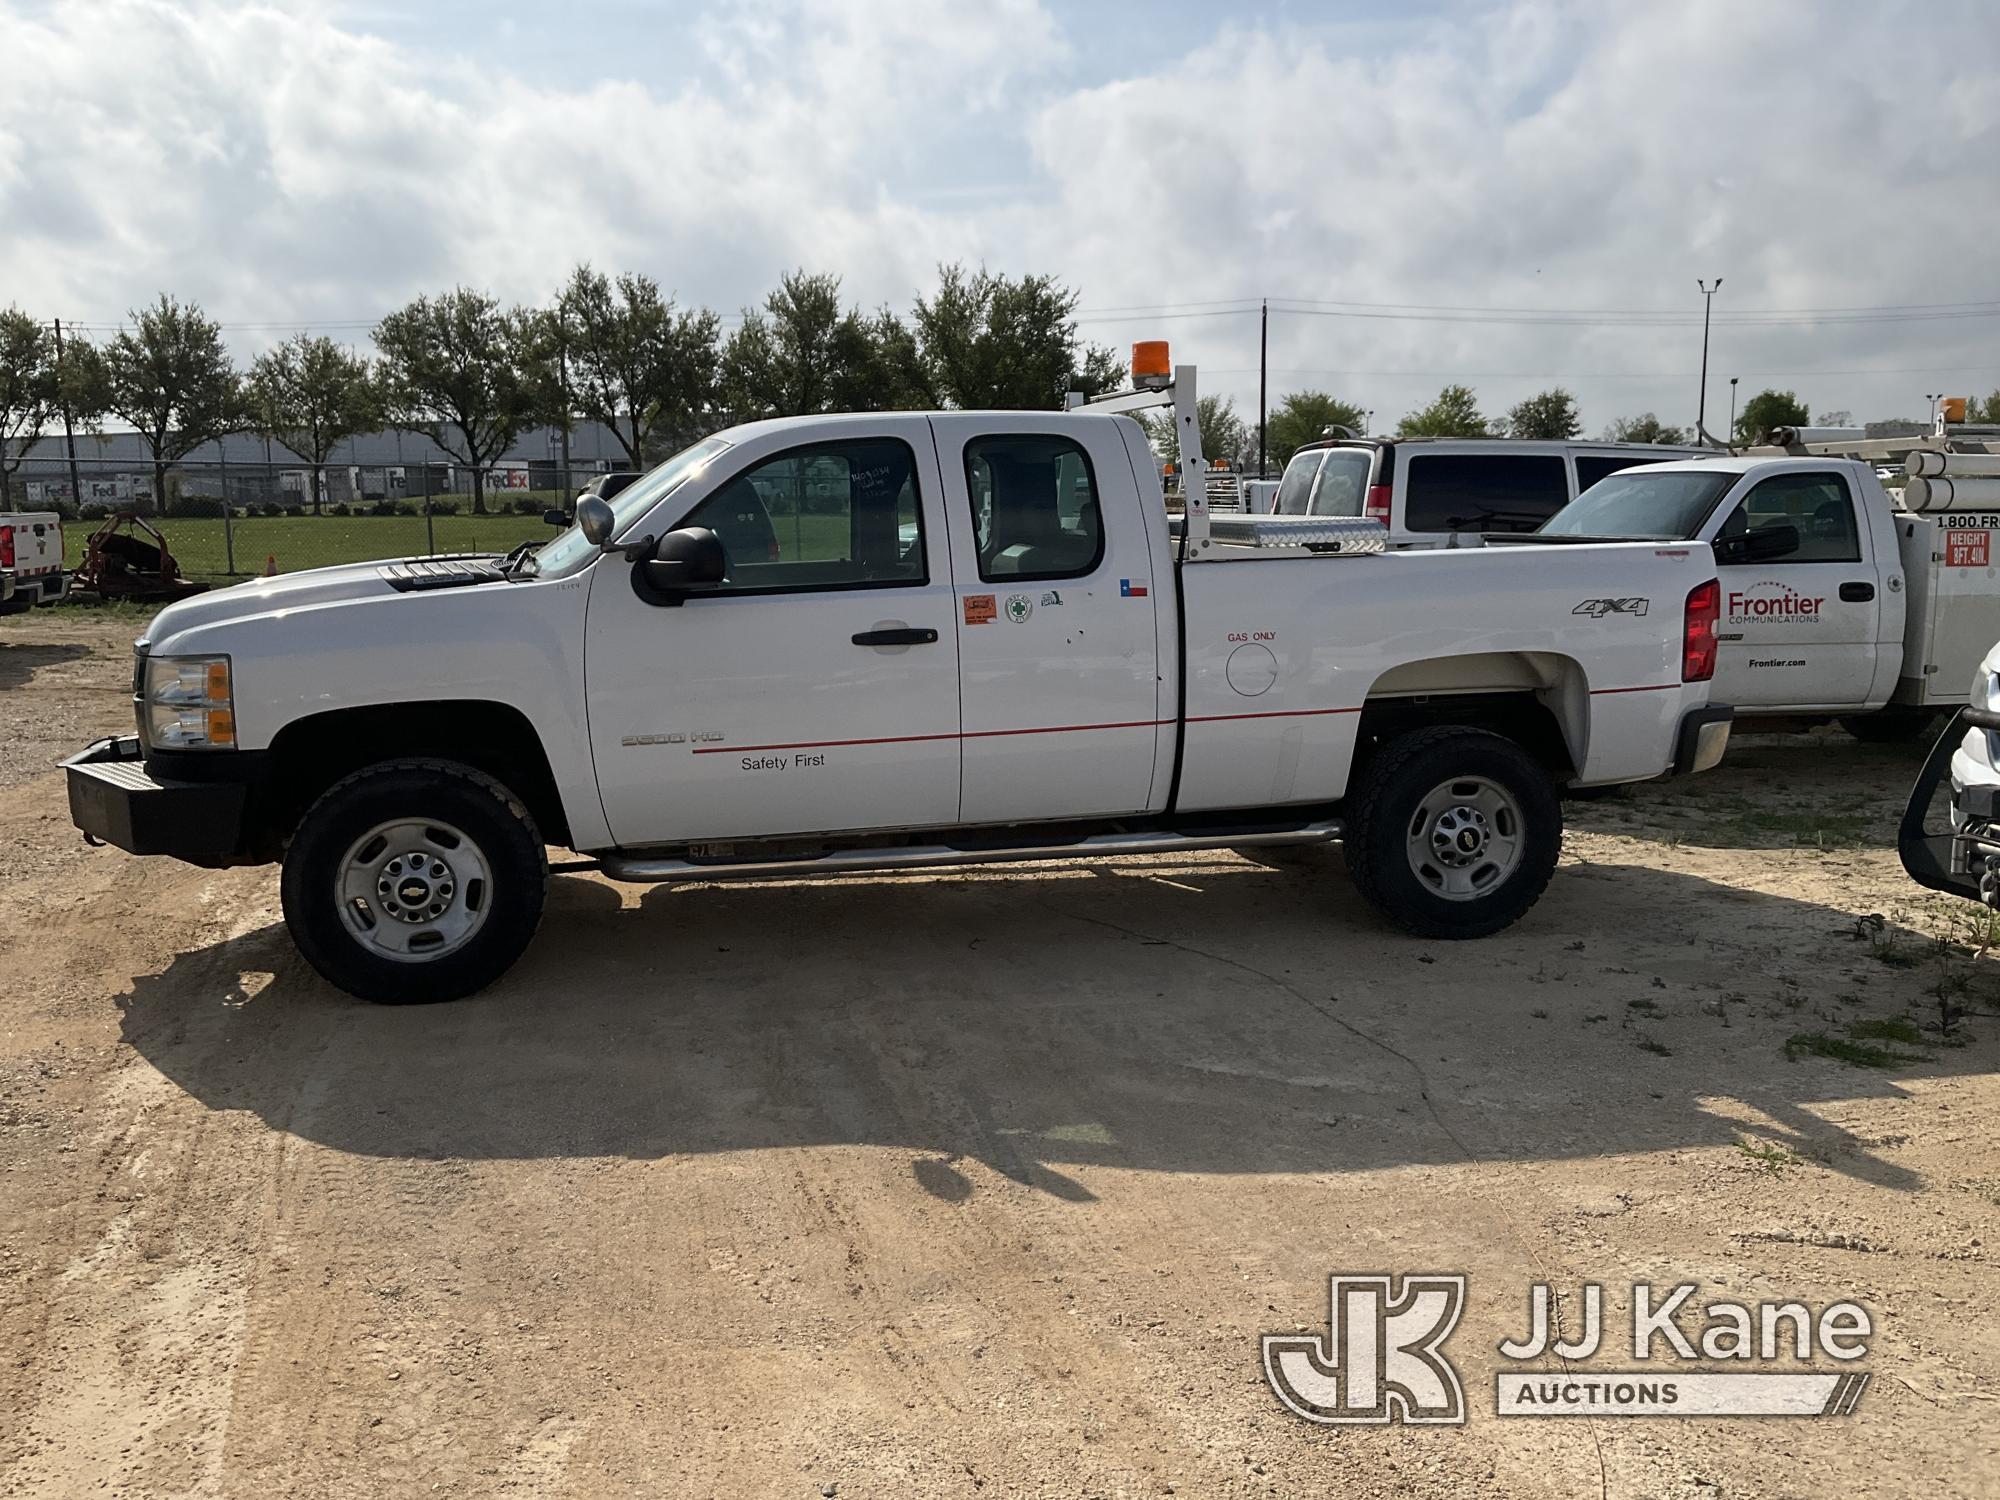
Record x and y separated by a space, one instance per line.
283 165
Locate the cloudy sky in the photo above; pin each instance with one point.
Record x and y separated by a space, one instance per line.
1511 195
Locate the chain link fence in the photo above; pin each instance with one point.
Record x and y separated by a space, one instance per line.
226 520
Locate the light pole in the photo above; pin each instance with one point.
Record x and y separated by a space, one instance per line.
1933 397
1701 405
1732 407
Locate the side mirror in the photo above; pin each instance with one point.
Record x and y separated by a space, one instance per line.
555 518
597 519
683 562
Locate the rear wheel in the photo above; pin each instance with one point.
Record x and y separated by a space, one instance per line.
414 881
1453 832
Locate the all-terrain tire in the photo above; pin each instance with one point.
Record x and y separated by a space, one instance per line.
1395 802
498 886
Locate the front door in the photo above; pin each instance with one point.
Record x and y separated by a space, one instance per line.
1056 619
816 690
1799 623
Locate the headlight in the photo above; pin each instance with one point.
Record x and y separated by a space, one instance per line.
187 703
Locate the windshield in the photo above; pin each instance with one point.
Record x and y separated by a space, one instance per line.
1644 506
571 550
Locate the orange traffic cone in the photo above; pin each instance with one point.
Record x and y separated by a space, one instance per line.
270 565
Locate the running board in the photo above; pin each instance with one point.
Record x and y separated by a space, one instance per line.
930 856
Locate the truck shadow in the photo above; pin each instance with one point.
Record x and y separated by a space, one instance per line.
1189 1016
19 661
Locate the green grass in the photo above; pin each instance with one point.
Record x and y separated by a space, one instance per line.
307 541
1772 1159
296 542
1887 1029
1855 1053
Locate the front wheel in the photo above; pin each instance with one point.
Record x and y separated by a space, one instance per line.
1453 832
414 881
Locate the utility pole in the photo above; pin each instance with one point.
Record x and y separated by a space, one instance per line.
69 428
1732 406
1701 405
1263 378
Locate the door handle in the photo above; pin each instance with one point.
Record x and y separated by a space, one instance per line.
902 636
1856 593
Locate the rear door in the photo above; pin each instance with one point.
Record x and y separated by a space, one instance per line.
1800 618
1055 614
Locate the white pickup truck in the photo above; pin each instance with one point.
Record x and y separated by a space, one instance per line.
1837 601
31 548
819 645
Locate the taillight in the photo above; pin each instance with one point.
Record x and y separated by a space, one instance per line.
6 546
1377 506
1704 612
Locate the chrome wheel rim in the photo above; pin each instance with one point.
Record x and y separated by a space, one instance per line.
1465 838
413 890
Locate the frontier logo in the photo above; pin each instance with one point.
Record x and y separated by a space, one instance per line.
1771 602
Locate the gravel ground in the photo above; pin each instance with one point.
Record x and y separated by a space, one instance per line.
983 1184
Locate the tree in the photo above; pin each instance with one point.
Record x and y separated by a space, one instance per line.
1644 428
1455 413
172 379
1224 435
800 354
629 359
310 394
1550 415
455 368
28 389
1837 418
1303 417
1984 412
993 341
1769 409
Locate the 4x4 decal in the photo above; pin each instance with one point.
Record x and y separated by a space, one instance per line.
1597 609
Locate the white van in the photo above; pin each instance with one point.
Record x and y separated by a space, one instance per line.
1439 492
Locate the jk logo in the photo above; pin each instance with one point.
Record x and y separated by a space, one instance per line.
1380 1359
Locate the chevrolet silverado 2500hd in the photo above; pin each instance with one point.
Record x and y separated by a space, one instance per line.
825 644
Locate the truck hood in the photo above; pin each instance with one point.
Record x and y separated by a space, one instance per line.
314 588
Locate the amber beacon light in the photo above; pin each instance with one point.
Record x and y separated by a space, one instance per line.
1152 369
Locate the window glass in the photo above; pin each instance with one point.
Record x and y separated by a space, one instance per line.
835 515
1814 506
571 550
1296 487
1667 506
1034 507
1591 467
1343 483
1483 491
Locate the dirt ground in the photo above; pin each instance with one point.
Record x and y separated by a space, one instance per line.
976 1185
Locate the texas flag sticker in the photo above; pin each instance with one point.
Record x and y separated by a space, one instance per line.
1127 589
